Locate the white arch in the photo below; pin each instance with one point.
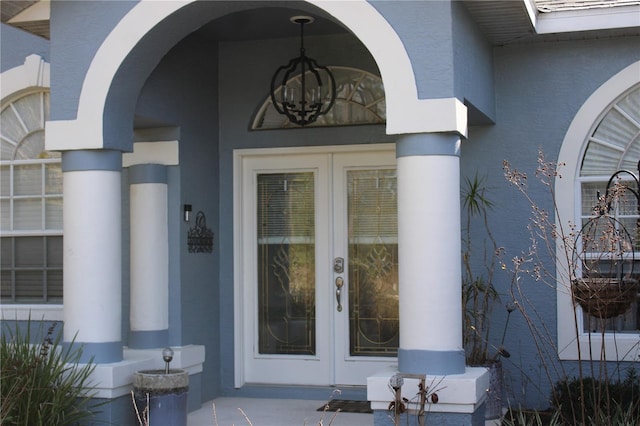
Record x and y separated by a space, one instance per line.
405 112
571 152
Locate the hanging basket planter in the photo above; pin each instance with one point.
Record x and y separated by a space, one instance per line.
605 257
605 297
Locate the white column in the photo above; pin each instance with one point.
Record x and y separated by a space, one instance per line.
92 253
429 244
149 310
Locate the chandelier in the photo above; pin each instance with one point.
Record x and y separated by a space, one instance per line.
302 90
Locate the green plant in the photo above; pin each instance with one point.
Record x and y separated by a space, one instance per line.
478 291
42 384
603 399
520 417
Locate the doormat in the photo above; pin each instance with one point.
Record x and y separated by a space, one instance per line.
347 406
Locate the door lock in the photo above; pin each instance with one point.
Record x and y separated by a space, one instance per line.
338 265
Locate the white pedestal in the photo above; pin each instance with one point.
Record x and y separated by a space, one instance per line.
457 393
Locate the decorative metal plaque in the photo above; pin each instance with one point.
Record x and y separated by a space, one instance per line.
200 238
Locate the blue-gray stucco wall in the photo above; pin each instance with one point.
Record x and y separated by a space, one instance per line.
183 91
539 89
473 67
426 30
74 47
449 55
16 44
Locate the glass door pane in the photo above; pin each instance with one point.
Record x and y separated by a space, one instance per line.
373 262
286 263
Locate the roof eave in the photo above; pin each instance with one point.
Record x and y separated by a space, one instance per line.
33 18
588 20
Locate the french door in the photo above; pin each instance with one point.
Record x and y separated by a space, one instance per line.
316 274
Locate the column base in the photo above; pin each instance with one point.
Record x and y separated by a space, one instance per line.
460 398
115 380
148 339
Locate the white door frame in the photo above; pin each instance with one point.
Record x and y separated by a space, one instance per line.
241 239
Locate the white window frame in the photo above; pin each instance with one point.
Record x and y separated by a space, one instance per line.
572 344
33 75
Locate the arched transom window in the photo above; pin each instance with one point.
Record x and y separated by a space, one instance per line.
30 204
612 145
359 100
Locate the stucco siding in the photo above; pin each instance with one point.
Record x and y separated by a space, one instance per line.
474 74
16 45
426 30
74 47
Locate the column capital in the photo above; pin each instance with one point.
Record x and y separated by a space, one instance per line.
427 115
428 144
91 159
147 173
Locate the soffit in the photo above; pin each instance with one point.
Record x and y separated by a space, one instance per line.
11 9
512 21
502 22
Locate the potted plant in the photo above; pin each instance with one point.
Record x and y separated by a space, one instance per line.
479 258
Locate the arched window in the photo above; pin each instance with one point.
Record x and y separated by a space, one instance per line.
359 100
30 203
603 137
613 144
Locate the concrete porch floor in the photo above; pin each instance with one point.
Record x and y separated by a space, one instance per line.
272 412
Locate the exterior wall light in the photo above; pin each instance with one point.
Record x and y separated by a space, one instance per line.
187 212
303 90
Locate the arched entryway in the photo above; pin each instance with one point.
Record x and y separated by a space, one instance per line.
140 28
153 47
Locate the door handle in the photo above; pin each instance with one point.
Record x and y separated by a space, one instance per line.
339 284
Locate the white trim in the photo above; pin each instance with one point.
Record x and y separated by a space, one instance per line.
166 153
238 153
588 19
34 73
571 152
532 11
238 276
19 312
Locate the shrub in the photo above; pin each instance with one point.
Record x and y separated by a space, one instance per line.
42 384
604 400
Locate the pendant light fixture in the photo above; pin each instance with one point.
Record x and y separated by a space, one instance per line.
302 90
